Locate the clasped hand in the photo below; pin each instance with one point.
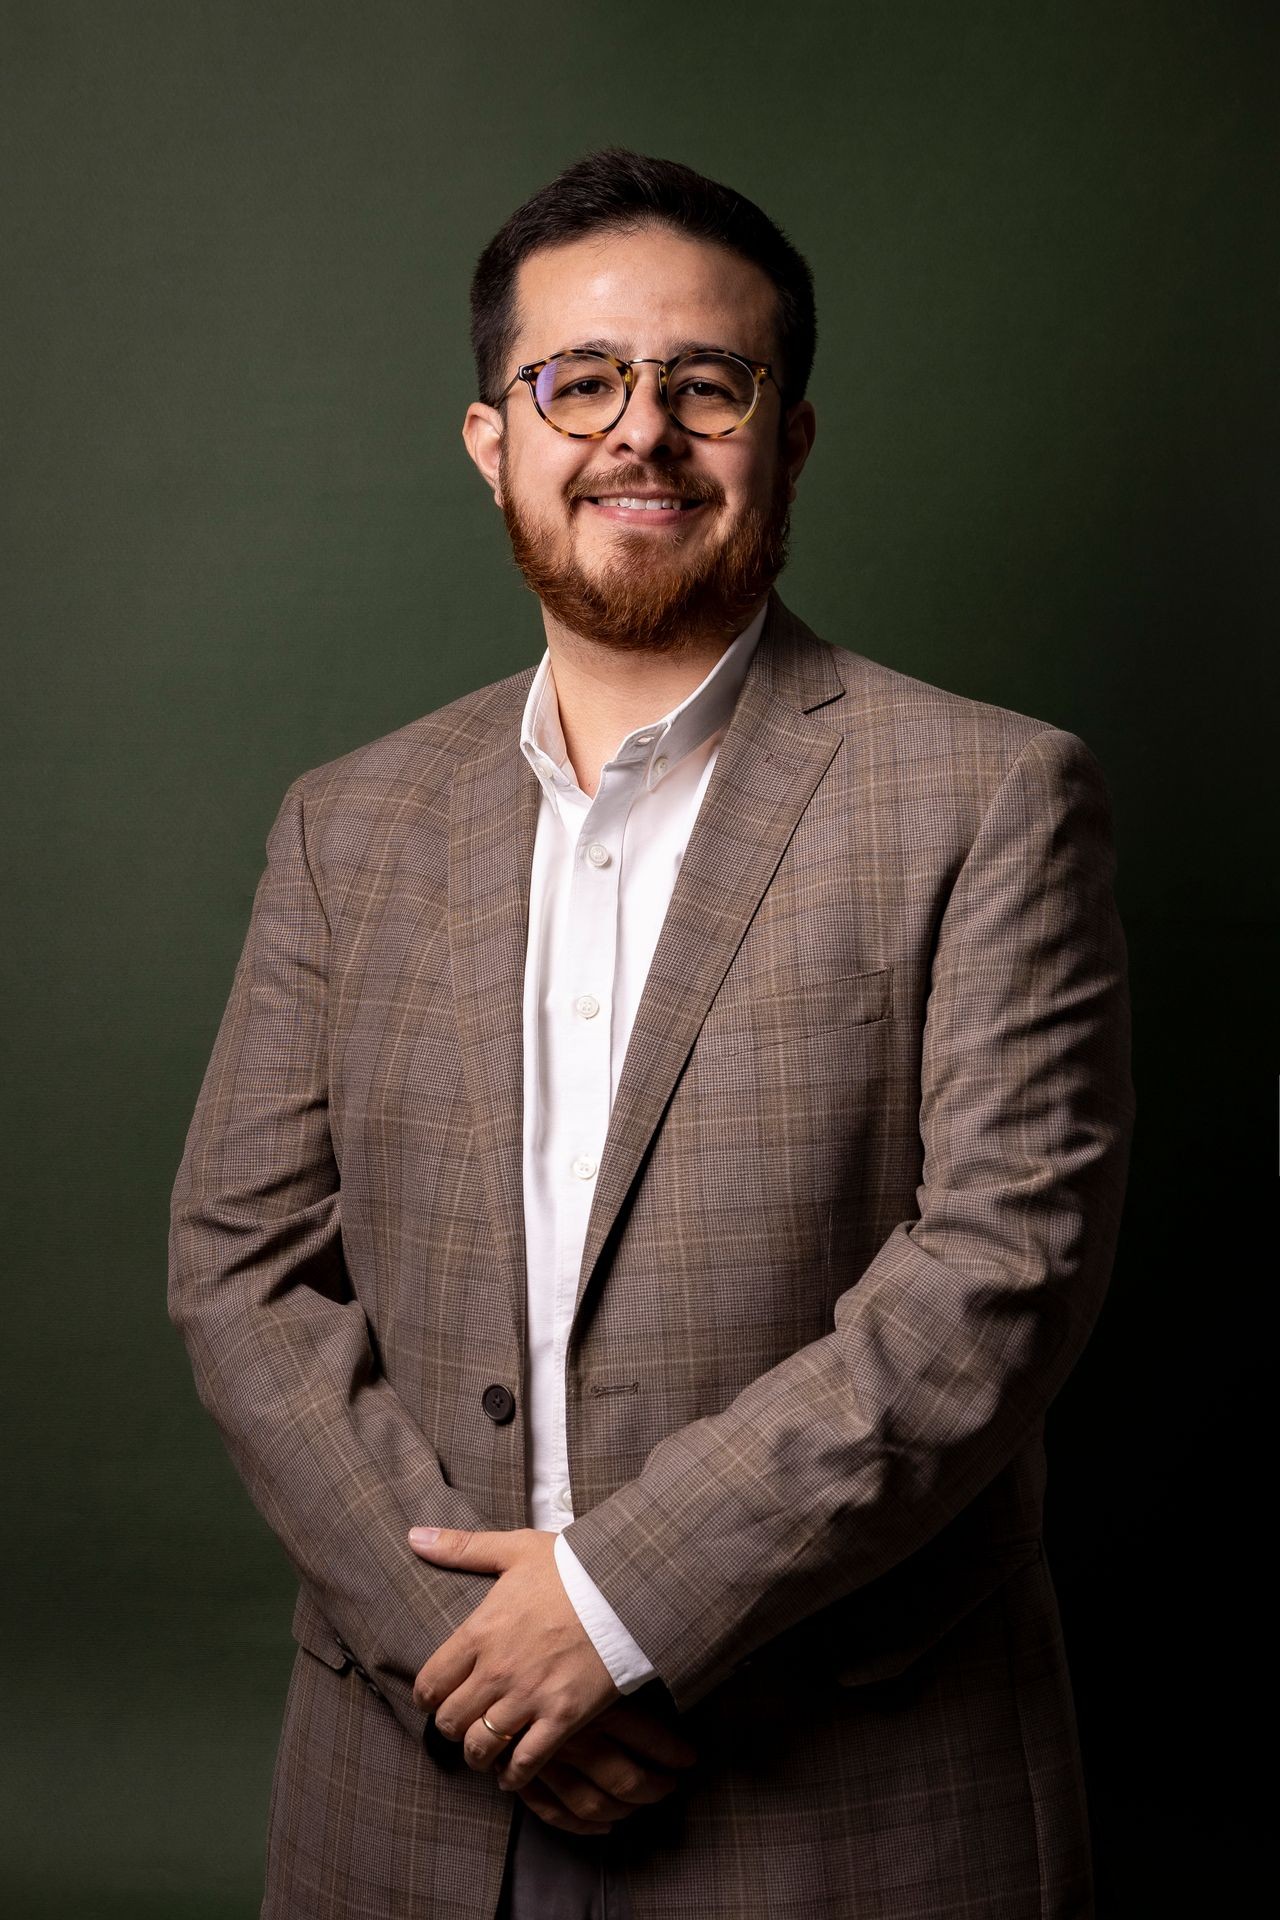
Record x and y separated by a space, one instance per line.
579 1759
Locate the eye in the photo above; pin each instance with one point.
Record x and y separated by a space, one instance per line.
704 390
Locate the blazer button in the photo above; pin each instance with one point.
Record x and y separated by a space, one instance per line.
499 1403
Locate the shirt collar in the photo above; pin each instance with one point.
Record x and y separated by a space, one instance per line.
659 745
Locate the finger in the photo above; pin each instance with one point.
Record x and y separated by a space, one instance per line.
444 1673
631 1780
443 1543
530 1754
485 1749
467 1548
472 1550
582 1795
549 1807
461 1709
462 1717
645 1734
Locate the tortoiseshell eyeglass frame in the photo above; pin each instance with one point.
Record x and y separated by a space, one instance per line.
760 371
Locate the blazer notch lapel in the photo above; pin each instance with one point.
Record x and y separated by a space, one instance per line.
770 762
492 824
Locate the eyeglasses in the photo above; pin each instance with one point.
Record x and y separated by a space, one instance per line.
584 394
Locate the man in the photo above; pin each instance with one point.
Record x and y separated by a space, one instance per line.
667 1134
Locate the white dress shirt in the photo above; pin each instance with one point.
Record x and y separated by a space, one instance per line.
604 868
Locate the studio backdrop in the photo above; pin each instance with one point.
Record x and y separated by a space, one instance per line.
243 537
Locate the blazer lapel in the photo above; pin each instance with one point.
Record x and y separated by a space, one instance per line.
493 821
770 761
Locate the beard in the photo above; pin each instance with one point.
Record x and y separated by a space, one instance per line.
651 597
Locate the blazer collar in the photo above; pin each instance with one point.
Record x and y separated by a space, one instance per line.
703 712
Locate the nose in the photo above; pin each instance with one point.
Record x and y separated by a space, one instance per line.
646 428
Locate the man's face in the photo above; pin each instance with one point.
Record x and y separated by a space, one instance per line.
635 577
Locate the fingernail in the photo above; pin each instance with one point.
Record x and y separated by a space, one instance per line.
424 1536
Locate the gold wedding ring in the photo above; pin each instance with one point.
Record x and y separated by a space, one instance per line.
498 1730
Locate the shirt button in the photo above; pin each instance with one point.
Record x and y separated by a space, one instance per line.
587 1005
566 1498
659 766
598 855
584 1166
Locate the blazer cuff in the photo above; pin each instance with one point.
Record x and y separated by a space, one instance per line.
628 1665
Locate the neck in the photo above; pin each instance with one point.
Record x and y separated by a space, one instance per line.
604 693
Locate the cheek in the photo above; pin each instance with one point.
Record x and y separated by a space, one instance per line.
747 482
536 475
540 499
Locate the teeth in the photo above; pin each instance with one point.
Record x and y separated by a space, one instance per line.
621 500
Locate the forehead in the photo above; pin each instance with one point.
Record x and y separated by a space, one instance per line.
641 293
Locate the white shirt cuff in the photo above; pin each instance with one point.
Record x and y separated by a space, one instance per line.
627 1664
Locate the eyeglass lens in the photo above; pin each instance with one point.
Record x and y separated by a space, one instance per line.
707 392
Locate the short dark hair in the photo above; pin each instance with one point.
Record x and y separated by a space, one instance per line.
617 189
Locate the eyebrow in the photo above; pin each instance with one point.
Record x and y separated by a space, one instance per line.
685 346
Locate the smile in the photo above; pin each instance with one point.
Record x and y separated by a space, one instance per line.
660 508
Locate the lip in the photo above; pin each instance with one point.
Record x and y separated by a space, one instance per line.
647 516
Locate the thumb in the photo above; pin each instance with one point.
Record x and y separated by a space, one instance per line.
461 1547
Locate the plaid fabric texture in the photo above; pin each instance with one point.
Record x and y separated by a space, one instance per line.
853 1224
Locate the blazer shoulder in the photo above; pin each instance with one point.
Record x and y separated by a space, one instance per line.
422 756
884 696
368 808
896 717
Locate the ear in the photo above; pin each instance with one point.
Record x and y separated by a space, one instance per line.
482 434
800 427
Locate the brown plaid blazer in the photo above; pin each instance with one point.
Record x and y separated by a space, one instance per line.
854 1221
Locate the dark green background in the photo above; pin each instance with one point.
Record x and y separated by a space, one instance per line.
243 536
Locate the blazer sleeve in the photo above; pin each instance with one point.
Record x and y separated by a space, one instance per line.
279 1345
845 1458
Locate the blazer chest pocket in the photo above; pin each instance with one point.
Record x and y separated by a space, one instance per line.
807 1007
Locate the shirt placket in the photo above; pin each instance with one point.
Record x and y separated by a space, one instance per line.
582 1026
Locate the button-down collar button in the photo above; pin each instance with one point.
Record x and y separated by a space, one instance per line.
587 1005
660 766
598 854
584 1166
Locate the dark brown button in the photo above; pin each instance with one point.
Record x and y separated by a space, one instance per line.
499 1403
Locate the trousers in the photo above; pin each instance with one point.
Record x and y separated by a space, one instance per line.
552 1875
